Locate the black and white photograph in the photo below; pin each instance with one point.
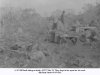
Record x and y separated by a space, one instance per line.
50 34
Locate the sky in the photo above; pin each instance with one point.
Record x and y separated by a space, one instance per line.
45 7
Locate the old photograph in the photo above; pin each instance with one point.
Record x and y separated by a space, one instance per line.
49 33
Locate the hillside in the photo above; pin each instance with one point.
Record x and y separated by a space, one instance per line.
25 41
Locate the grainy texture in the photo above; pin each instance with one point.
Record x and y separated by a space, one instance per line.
28 40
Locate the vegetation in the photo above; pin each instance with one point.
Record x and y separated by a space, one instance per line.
59 41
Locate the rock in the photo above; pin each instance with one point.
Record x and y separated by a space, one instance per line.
37 55
62 65
15 47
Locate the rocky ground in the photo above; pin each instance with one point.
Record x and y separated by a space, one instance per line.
48 55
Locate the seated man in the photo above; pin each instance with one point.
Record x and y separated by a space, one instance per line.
89 37
93 37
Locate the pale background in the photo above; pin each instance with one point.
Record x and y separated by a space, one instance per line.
45 7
